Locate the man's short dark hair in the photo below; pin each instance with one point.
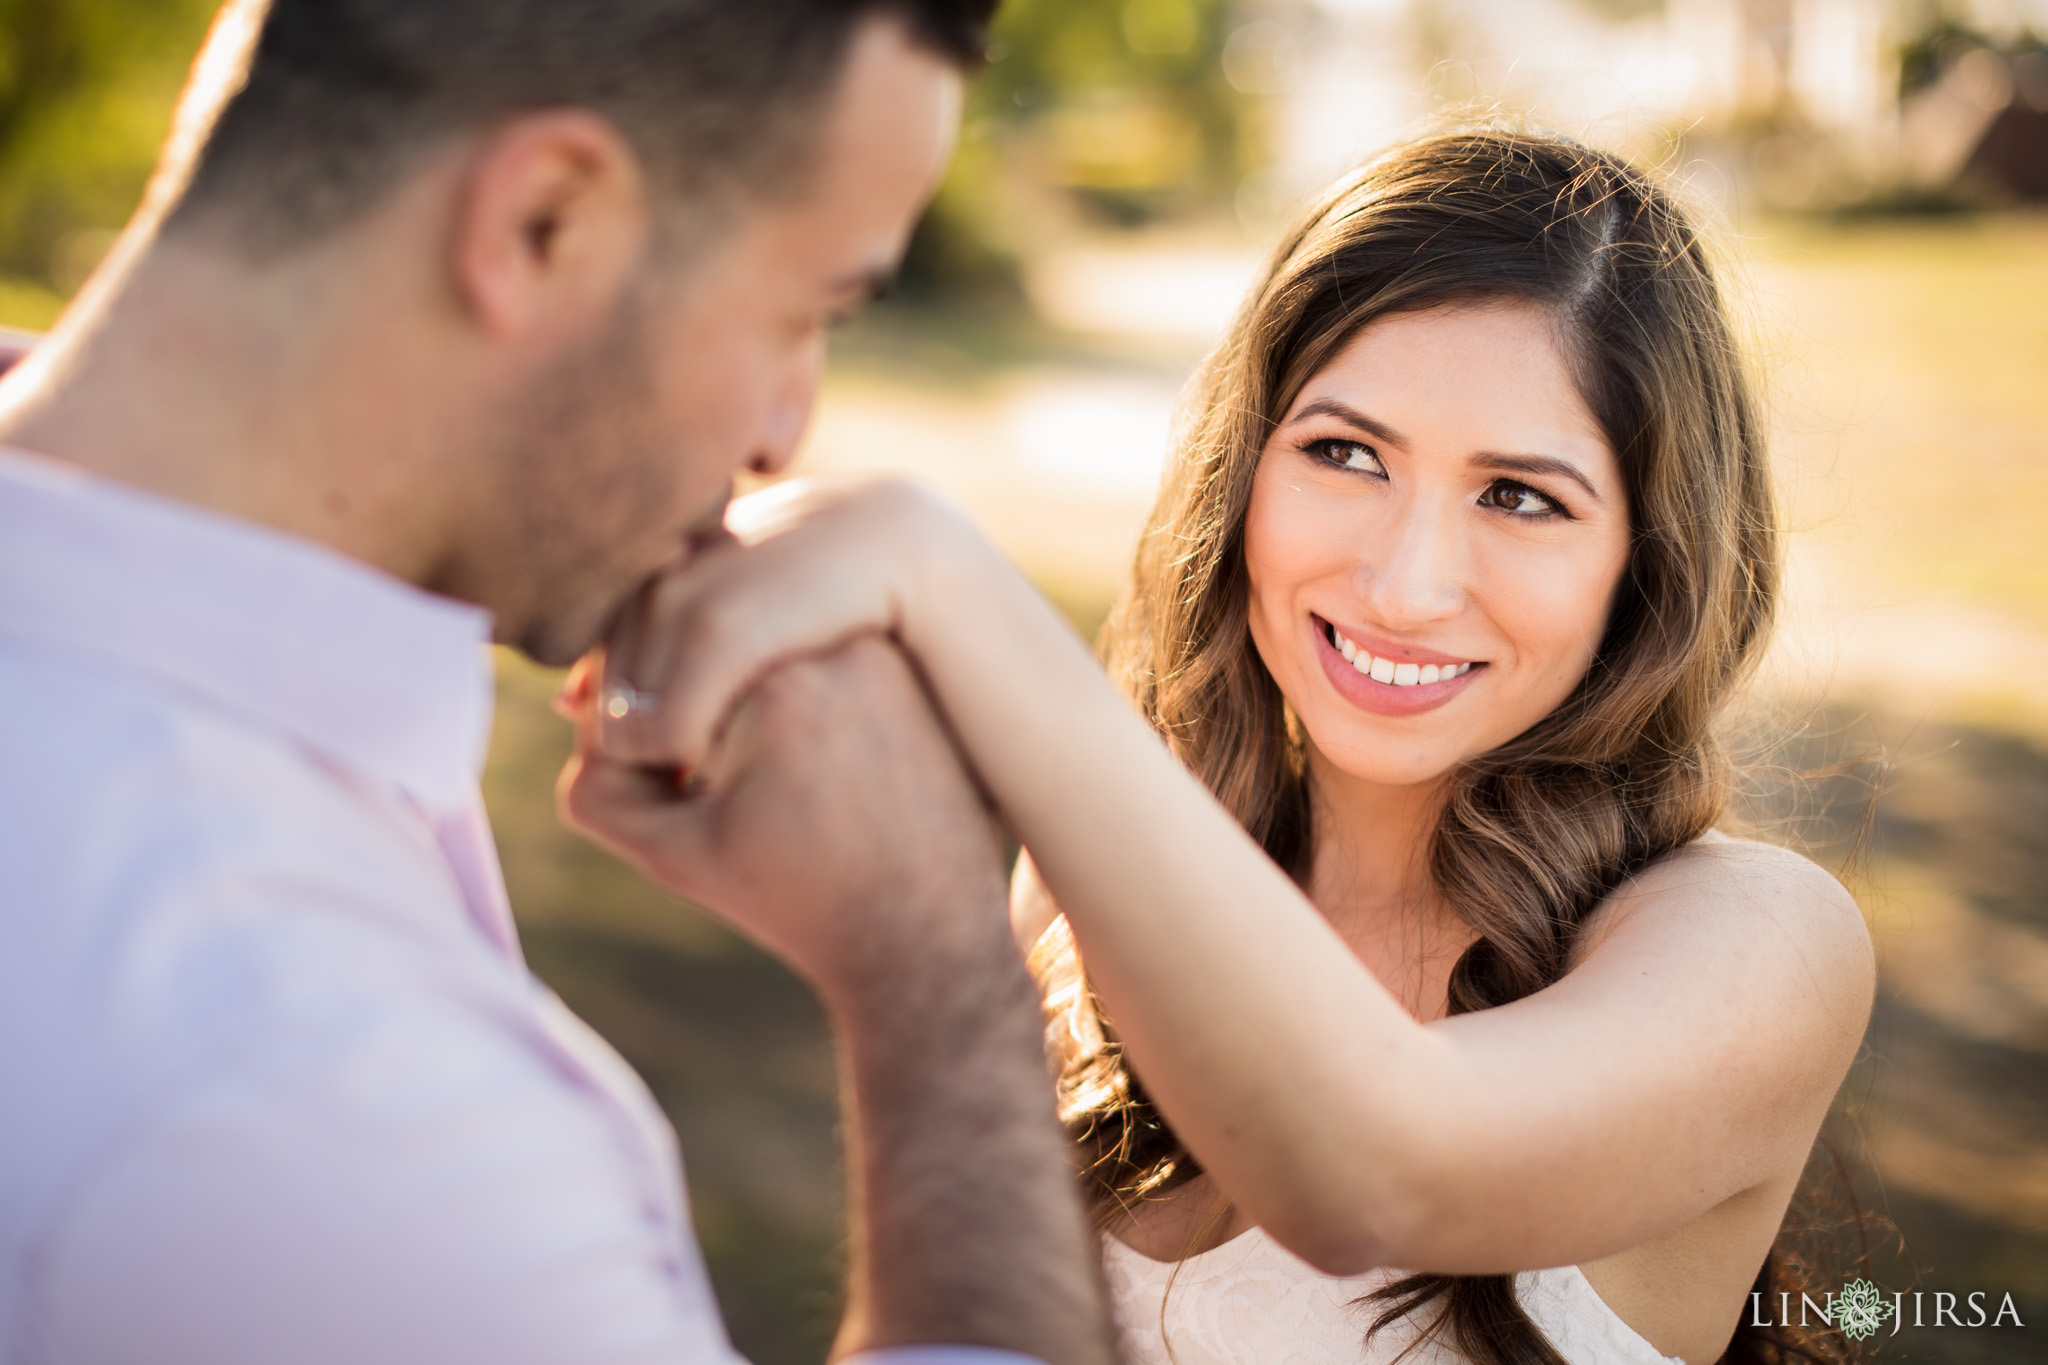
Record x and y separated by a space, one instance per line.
717 96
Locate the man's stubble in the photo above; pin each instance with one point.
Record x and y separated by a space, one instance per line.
583 490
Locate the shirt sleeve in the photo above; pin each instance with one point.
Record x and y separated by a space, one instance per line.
411 1185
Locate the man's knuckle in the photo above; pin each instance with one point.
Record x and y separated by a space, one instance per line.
572 795
797 685
871 658
775 687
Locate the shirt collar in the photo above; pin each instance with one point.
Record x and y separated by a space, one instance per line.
390 680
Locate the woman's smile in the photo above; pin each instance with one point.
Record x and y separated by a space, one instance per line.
1390 680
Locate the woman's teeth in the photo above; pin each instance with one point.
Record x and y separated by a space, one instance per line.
1387 671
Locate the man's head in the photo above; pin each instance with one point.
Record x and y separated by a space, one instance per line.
603 240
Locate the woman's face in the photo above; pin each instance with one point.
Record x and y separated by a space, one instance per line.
1436 531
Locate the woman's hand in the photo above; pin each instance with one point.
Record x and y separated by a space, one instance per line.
803 568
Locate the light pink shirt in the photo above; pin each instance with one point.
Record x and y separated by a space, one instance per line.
275 1083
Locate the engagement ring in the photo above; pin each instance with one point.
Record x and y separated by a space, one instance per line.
623 699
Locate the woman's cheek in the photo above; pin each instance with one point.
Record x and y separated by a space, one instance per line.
1292 537
1297 530
1268 606
1554 610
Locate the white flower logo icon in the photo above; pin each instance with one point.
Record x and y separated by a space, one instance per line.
1861 1308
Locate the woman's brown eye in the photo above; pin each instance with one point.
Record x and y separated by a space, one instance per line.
1350 454
1517 498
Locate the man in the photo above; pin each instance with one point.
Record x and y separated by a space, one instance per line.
449 320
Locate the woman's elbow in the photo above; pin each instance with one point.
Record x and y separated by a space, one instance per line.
1374 1204
1347 1236
1346 1258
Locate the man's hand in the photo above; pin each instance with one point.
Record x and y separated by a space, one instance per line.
838 829
835 826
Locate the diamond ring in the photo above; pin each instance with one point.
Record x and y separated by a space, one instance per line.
622 699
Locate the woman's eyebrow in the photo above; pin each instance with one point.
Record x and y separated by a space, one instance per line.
1537 464
1485 459
1344 412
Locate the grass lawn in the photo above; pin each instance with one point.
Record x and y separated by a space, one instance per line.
1910 367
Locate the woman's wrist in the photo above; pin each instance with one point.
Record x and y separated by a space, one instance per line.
942 568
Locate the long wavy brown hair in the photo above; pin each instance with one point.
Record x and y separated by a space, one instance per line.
1535 834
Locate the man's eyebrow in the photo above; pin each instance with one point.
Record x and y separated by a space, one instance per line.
1344 412
1537 464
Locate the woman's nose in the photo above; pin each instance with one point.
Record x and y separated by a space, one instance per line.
1416 574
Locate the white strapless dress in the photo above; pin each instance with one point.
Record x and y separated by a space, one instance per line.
1252 1302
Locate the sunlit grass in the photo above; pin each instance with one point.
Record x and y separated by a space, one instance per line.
1910 374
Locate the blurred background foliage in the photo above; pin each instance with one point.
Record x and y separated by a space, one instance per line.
1122 165
86 90
1092 114
1123 108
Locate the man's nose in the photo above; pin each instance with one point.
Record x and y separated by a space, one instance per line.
1417 574
789 415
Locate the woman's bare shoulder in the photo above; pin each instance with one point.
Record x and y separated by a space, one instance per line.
1747 894
1750 869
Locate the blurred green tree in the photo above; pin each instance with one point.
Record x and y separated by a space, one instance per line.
86 93
1119 105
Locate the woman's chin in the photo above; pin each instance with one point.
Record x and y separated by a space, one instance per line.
1378 761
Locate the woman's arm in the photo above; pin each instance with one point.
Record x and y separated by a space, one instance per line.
1689 1055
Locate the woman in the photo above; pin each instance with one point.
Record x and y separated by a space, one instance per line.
1439 964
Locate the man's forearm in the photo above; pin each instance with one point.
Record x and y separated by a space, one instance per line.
967 1224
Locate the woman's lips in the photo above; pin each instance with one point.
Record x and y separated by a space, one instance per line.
1394 697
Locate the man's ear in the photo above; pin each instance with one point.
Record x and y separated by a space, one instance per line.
553 220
